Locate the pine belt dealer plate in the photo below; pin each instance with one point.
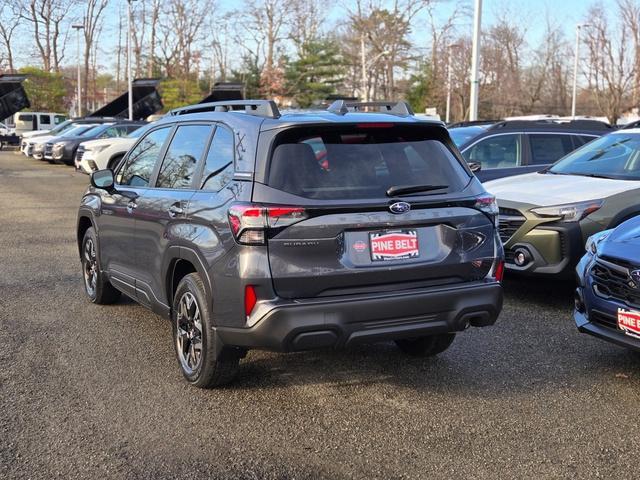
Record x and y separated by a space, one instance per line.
629 322
394 245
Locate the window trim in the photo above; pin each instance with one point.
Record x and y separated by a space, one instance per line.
196 174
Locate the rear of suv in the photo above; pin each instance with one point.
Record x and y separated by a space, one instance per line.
249 228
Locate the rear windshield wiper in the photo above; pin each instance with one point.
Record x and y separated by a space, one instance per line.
408 189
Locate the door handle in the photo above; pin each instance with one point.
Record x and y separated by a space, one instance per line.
131 206
175 210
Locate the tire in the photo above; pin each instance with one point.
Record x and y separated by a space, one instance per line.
113 163
193 332
426 346
96 286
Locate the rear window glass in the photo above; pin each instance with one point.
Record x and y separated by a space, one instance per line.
549 147
359 162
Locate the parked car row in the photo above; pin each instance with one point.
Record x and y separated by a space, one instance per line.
66 142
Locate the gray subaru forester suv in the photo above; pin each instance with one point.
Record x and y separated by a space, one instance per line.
251 228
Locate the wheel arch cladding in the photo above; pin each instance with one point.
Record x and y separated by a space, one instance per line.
180 269
84 223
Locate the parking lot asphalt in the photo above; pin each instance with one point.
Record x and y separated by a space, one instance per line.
95 392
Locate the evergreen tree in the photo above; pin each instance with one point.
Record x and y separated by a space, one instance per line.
317 72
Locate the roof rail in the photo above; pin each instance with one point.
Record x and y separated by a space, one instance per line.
627 126
341 107
259 108
471 123
566 124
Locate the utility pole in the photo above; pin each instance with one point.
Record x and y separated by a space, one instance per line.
576 60
129 42
78 28
450 48
475 53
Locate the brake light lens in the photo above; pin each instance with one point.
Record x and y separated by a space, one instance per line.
499 271
249 222
375 125
250 299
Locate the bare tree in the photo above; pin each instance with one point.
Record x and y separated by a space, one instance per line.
265 27
384 32
611 63
153 23
630 17
91 21
305 20
10 14
49 19
179 33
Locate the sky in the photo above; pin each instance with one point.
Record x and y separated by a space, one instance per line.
531 15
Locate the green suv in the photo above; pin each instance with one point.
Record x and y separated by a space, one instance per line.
546 217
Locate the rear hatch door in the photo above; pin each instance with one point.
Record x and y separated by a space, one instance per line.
355 235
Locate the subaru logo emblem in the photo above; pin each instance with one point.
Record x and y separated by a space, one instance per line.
635 276
399 207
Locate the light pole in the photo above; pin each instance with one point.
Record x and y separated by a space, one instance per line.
450 47
78 28
129 42
475 53
576 60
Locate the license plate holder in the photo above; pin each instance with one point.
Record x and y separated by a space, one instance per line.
393 245
629 322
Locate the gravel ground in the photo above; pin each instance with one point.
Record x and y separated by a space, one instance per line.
95 392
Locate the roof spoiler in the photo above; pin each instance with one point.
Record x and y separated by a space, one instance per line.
342 107
258 108
13 97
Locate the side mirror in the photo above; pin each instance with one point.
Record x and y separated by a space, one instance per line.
103 179
475 166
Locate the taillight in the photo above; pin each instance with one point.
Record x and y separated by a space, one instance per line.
499 271
250 299
487 203
249 222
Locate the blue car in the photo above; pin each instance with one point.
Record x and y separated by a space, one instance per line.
607 300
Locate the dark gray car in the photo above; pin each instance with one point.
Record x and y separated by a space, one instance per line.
254 229
63 149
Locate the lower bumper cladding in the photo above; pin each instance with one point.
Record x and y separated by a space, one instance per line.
346 321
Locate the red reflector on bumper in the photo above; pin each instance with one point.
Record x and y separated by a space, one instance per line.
250 299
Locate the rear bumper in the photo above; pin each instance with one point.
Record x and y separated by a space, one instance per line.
342 322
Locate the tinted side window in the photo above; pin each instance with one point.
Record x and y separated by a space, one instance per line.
142 159
186 148
218 168
580 140
547 148
115 131
45 119
500 151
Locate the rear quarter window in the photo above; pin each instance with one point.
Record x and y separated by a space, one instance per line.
362 161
